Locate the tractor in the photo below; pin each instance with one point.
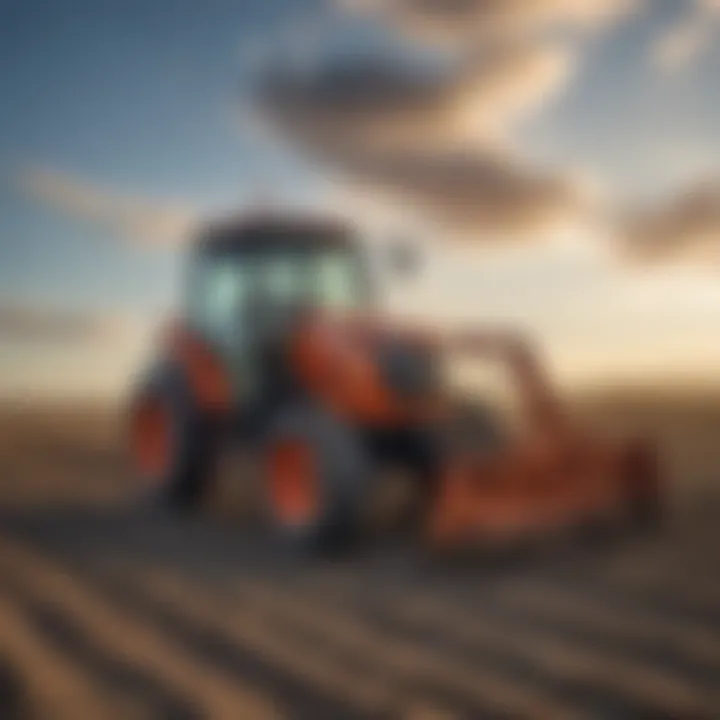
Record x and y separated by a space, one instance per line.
279 347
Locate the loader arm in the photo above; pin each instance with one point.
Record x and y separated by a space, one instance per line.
540 404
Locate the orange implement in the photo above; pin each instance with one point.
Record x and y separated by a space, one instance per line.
552 477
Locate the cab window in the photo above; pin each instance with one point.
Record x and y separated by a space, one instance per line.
218 290
337 281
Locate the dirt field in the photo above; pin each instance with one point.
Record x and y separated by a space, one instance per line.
112 612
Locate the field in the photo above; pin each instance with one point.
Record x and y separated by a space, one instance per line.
109 611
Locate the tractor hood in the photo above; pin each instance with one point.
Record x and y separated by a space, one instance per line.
407 358
371 368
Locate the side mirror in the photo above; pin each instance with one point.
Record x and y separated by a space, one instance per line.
404 258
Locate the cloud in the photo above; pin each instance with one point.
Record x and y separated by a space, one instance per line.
440 128
688 39
366 99
489 195
25 322
381 101
682 44
134 219
464 20
436 135
686 226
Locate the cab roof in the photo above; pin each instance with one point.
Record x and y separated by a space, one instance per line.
262 232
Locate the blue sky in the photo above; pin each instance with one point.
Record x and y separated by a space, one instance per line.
138 96
144 97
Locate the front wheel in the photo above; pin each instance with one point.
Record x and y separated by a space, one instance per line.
170 442
317 480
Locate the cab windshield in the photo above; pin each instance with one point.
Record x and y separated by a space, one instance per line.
326 277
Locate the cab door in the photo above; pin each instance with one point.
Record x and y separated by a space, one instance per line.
218 290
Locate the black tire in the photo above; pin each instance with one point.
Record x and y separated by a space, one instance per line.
185 480
472 428
643 482
421 453
342 480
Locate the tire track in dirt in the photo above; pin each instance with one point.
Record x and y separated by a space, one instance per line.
585 669
141 695
238 636
185 620
669 592
580 611
558 658
614 621
123 636
45 683
480 687
685 581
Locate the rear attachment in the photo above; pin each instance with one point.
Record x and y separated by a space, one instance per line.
538 490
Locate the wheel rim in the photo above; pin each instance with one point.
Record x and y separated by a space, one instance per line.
152 439
293 483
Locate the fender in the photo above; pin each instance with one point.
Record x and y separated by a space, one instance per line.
208 378
337 368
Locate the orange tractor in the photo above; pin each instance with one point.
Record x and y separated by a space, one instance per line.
277 349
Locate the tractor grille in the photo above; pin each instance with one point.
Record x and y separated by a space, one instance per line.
410 370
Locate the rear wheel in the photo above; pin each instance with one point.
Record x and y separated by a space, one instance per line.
317 480
170 442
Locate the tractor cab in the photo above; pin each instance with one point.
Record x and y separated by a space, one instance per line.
250 283
263 265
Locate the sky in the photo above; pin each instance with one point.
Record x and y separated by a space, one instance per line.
558 161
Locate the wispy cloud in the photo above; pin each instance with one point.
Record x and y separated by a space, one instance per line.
686 226
444 137
35 322
381 101
439 134
490 197
133 219
689 38
476 20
